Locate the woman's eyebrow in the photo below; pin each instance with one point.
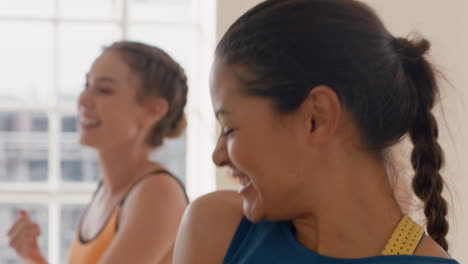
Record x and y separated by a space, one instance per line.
102 78
221 112
105 79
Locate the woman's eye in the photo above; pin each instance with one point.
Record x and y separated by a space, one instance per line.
226 132
101 90
104 90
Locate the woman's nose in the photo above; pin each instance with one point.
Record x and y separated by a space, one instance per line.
84 100
220 156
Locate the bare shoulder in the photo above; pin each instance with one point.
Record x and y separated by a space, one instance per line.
207 228
152 188
222 203
428 247
155 199
148 222
221 209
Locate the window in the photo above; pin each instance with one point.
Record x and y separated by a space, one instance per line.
23 147
51 45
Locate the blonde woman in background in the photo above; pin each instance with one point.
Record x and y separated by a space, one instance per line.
134 97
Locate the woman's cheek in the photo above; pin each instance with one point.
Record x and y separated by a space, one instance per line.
236 151
231 148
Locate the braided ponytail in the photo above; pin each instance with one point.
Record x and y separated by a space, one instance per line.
427 156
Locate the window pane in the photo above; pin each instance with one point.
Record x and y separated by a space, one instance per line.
172 155
23 147
8 215
79 45
87 9
180 42
167 10
26 63
43 8
70 217
78 163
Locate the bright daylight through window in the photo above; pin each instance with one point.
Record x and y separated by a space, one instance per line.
47 47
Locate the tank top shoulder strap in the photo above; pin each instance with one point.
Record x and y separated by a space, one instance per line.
238 239
97 189
405 238
153 174
85 212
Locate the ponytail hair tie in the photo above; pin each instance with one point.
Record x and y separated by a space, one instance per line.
411 51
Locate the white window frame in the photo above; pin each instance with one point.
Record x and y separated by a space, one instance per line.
200 172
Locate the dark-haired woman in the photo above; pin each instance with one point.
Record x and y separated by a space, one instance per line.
310 94
134 97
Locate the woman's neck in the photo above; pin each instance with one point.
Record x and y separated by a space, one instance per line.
122 165
354 215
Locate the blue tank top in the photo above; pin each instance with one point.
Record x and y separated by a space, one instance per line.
274 243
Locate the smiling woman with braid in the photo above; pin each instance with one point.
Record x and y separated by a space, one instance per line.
310 95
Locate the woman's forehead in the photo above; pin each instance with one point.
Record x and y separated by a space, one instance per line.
223 81
110 64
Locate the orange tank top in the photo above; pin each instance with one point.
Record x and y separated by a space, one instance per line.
91 251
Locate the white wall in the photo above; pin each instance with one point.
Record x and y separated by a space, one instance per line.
228 11
444 23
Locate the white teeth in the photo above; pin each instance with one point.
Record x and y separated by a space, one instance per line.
244 185
243 180
85 121
246 181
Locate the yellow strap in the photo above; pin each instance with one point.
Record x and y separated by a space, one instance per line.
405 239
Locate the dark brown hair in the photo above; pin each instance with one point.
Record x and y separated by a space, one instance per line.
161 77
386 83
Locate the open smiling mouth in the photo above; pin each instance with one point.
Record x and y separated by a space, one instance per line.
88 123
244 181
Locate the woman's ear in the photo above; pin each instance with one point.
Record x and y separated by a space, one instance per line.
322 110
155 110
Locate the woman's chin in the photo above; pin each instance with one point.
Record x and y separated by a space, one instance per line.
253 211
86 142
